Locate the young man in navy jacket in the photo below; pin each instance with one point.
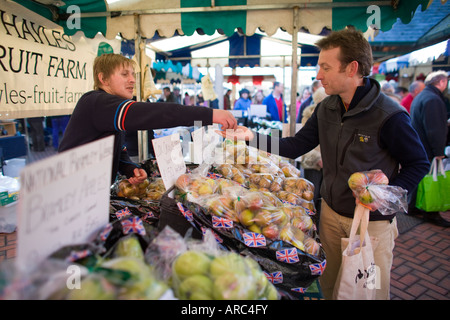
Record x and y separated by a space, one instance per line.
110 110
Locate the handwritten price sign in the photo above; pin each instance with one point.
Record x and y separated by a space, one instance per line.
170 159
63 200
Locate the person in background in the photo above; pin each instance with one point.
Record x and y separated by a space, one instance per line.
306 93
227 100
275 103
312 161
258 98
37 133
315 85
358 129
214 103
200 100
177 95
109 110
167 96
401 91
429 118
59 124
414 89
244 102
388 89
187 99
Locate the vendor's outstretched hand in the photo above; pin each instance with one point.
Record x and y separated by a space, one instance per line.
139 176
241 133
225 118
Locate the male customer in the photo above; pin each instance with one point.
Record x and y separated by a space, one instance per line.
358 129
275 103
429 118
414 89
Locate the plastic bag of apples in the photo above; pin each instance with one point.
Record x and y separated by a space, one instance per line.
372 190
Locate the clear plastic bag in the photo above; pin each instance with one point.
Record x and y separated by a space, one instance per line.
371 189
205 272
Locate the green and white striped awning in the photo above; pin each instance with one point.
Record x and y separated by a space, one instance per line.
168 17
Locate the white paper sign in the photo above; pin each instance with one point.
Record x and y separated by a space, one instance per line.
169 158
63 200
197 138
259 110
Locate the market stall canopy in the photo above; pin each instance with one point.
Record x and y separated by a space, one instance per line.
168 17
237 50
427 27
415 58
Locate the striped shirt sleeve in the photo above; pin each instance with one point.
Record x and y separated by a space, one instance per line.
121 113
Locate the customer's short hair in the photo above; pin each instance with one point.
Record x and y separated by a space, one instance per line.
436 76
354 47
107 63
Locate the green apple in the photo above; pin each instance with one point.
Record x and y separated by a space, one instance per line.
129 246
258 277
233 286
230 262
357 181
365 196
254 228
270 292
196 287
246 217
190 263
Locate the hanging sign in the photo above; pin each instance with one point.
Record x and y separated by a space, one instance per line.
43 71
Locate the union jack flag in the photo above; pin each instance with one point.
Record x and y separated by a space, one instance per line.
309 212
149 214
123 213
133 225
274 277
76 255
214 176
299 289
287 255
216 236
186 212
318 268
219 222
106 231
253 239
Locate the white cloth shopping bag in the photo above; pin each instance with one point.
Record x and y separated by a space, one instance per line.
357 276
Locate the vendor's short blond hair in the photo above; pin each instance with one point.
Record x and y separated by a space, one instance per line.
108 63
434 77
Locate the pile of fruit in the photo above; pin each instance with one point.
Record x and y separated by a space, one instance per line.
258 170
149 190
201 276
122 275
258 211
